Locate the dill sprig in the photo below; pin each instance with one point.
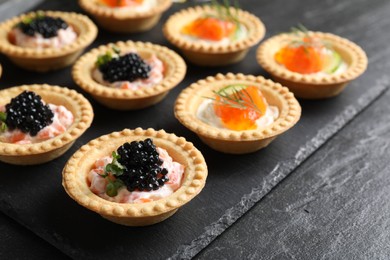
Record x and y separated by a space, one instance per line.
302 32
236 97
224 10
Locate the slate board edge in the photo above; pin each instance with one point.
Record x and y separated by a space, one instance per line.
280 172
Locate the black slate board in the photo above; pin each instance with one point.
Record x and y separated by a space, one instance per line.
34 195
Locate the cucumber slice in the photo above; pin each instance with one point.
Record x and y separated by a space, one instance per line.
228 90
334 63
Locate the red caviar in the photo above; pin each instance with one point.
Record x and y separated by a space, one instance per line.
210 28
121 3
242 114
306 57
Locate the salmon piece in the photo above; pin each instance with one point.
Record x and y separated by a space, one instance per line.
45 133
175 175
12 37
210 28
303 58
144 200
241 117
17 137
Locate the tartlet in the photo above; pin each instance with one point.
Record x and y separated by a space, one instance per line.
124 21
43 60
313 86
231 141
37 153
131 214
126 99
204 54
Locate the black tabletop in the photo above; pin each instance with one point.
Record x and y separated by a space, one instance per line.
320 191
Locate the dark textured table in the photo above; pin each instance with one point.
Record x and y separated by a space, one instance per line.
319 192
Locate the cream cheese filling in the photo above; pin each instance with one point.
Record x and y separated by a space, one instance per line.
62 120
175 174
64 37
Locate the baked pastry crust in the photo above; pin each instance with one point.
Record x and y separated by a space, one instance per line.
126 99
311 86
204 54
37 153
43 60
131 214
230 141
115 20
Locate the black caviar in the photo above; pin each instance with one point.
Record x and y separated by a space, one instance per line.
128 67
27 113
45 25
143 170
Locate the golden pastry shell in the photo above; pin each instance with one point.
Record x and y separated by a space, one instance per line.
37 153
46 59
126 99
117 20
308 85
230 141
205 54
135 214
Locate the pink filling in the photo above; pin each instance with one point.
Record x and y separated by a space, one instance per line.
64 37
62 120
98 184
156 75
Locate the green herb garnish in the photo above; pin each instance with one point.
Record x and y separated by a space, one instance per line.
108 56
302 32
224 10
235 96
3 126
113 169
39 15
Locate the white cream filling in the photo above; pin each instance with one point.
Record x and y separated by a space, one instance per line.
175 175
64 37
206 113
62 120
240 34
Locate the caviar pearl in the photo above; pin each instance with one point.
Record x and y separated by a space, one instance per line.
27 113
142 164
128 67
46 26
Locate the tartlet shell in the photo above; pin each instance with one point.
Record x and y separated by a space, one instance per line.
313 86
115 20
212 54
131 214
43 60
37 153
125 99
230 141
